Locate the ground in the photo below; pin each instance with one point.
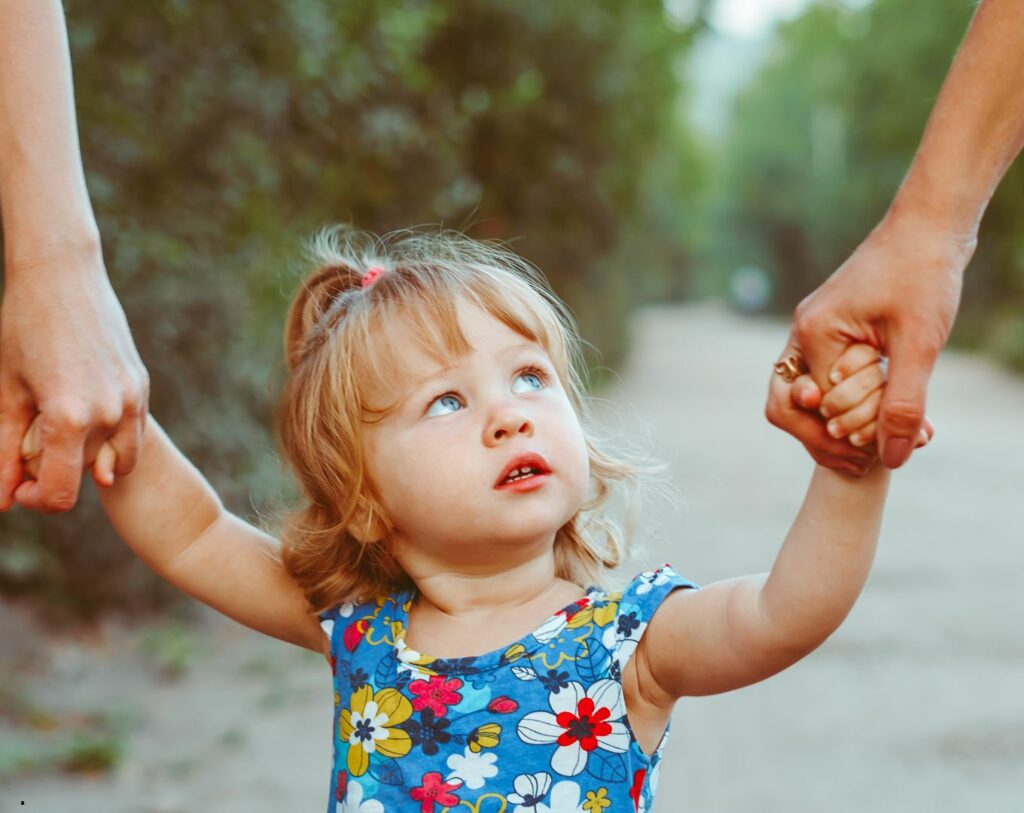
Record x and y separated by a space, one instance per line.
914 704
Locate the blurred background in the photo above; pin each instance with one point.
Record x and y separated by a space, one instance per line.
684 172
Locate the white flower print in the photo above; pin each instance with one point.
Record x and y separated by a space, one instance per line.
622 638
582 721
653 578
565 798
354 801
344 611
551 628
531 788
473 768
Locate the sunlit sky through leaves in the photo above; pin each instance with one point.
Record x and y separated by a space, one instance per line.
752 18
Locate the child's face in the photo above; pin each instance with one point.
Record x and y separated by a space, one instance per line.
437 457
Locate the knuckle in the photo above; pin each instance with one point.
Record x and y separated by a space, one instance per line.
902 416
807 320
58 503
67 416
109 418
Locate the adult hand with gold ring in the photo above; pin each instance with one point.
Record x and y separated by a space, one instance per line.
838 430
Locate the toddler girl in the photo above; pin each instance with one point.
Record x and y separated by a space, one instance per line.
450 550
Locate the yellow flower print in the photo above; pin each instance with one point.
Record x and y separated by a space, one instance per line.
603 616
596 802
369 726
487 735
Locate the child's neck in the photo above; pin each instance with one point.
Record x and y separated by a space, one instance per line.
478 593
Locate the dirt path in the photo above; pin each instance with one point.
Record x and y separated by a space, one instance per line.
915 704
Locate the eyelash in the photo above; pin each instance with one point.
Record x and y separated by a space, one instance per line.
541 374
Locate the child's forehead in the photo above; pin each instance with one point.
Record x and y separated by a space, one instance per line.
410 353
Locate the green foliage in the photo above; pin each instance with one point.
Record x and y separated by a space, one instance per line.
217 136
822 139
37 740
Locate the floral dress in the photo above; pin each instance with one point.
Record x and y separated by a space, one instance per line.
539 726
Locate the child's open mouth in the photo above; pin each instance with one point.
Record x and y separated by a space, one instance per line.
524 472
524 480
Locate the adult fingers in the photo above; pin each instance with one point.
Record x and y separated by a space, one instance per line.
821 346
809 428
805 393
16 415
62 434
902 411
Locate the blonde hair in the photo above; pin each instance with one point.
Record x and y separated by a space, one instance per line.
342 339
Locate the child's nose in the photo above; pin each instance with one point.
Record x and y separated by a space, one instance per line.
509 421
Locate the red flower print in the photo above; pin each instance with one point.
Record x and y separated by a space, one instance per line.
574 608
502 705
586 725
638 783
437 694
434 791
354 633
342 786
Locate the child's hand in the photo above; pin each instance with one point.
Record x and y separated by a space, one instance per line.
31 455
851 406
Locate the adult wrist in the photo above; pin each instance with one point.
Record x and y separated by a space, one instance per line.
76 249
938 202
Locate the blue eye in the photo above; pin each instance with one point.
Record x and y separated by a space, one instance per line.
536 375
533 374
448 396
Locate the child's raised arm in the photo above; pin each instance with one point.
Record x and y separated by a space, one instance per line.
739 631
168 513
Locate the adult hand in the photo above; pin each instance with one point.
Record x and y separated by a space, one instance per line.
898 292
66 352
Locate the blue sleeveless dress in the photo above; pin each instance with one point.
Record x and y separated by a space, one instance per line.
539 726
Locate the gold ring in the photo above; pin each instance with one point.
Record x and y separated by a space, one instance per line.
791 367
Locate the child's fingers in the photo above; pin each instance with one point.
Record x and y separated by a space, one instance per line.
31 453
866 434
103 468
852 391
852 420
855 357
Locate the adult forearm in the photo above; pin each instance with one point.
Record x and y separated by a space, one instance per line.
976 128
826 558
43 197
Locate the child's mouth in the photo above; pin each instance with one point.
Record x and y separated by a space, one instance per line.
526 469
524 480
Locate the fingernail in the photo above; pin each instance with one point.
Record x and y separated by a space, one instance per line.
825 412
833 428
856 439
897 450
835 377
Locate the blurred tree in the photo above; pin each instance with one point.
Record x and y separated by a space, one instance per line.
217 135
821 140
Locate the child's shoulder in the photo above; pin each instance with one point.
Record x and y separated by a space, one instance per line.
355 614
653 584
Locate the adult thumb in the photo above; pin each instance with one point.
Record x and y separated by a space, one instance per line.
903 403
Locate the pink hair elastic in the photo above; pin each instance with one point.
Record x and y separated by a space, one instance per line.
371 274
